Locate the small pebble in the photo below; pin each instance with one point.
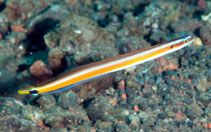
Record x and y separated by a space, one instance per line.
124 96
55 58
202 85
154 88
121 85
197 41
143 114
135 108
155 25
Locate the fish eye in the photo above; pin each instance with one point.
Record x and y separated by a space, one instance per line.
33 91
185 41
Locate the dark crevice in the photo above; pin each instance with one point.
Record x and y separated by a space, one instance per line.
147 38
2 6
139 9
22 67
171 30
197 31
35 38
95 7
87 102
153 42
120 17
180 62
197 14
103 22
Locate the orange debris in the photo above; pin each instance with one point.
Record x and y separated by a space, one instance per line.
164 129
166 65
172 77
160 70
189 81
70 108
144 90
120 122
53 44
124 96
140 94
1 36
198 124
153 96
135 108
113 101
179 116
209 126
93 130
18 28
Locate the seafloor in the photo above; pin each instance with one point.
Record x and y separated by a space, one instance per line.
41 39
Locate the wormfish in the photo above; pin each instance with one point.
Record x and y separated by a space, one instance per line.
100 68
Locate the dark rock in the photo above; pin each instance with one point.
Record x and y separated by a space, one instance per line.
59 118
205 98
99 109
46 102
68 100
162 115
121 128
148 122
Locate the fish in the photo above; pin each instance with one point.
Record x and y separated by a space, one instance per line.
97 69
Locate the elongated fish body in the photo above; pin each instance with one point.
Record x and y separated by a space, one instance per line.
100 68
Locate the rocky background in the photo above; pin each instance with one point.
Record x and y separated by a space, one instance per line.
42 39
